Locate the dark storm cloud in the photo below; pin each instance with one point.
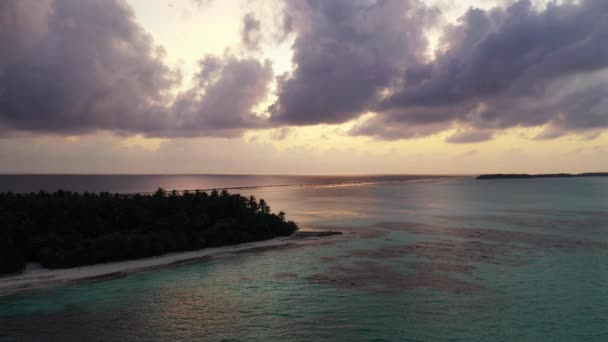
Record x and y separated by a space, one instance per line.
221 105
505 67
74 66
513 67
345 53
251 32
79 65
385 127
516 51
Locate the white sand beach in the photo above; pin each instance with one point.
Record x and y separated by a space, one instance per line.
37 277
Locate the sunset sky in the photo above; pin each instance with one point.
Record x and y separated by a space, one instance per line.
303 87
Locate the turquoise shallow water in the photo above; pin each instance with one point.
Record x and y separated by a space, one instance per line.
440 260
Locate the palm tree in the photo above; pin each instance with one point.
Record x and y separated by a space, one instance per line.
253 204
264 208
160 192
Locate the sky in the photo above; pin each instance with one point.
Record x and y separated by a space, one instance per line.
303 86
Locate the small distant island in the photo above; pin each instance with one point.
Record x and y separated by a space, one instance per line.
69 229
549 175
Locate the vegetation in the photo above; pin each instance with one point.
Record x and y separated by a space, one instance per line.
549 175
68 229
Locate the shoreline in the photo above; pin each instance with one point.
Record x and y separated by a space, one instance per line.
36 277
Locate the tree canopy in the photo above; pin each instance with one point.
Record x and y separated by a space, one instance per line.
68 229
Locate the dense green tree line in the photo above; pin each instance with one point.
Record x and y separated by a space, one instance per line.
68 229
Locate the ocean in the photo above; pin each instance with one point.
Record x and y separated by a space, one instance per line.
422 258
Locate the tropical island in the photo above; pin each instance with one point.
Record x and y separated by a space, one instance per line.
68 229
547 175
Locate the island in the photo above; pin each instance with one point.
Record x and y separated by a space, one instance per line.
548 175
69 229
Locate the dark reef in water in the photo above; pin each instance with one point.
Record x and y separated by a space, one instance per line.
69 229
548 175
448 265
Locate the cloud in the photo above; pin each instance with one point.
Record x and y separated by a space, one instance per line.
251 32
511 67
221 105
345 53
516 51
286 27
464 136
77 66
281 133
377 126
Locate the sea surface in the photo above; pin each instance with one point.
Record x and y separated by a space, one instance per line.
444 259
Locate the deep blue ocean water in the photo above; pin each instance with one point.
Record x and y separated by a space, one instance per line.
420 260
